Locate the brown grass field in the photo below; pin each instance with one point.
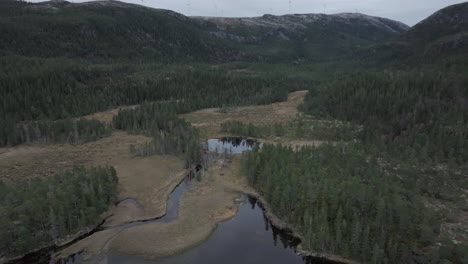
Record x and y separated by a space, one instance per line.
149 180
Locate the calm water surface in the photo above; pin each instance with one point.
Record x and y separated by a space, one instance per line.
230 145
246 238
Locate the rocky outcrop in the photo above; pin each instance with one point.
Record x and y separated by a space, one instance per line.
287 26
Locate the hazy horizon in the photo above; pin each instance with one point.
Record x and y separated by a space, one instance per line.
408 12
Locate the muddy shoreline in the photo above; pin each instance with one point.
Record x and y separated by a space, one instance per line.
274 220
49 252
228 182
144 220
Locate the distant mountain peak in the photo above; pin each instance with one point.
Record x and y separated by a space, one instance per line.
442 24
346 22
301 20
114 29
451 15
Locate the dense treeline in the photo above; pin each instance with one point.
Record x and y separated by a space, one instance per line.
121 31
34 89
171 134
301 127
40 89
250 130
343 202
39 212
419 114
60 131
105 30
306 128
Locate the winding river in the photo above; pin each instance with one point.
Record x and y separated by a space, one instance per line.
249 237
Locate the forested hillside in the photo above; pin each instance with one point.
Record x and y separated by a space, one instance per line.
102 30
442 38
452 20
411 102
47 49
422 115
406 166
117 31
303 37
392 102
342 202
42 211
52 89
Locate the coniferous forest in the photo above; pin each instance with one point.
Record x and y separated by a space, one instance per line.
389 104
35 89
419 114
48 132
342 202
39 212
170 134
367 199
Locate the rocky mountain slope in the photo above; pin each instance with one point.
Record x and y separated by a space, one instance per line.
116 30
446 31
102 30
443 35
450 20
304 36
281 26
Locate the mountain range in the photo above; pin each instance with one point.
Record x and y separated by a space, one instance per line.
113 30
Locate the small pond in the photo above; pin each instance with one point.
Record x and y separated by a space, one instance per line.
230 145
248 237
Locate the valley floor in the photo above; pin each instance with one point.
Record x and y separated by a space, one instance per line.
209 121
150 180
204 204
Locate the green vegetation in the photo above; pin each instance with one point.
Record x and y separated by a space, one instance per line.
171 135
453 253
414 124
39 212
250 130
53 89
439 29
344 202
402 121
119 31
100 31
408 165
421 115
305 127
34 89
302 127
60 131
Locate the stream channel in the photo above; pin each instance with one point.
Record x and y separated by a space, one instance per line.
249 237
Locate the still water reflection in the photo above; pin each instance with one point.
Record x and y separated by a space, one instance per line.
246 238
230 145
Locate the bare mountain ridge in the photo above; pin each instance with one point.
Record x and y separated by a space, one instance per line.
114 29
443 33
298 21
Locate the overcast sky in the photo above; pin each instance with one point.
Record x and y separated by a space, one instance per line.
406 11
